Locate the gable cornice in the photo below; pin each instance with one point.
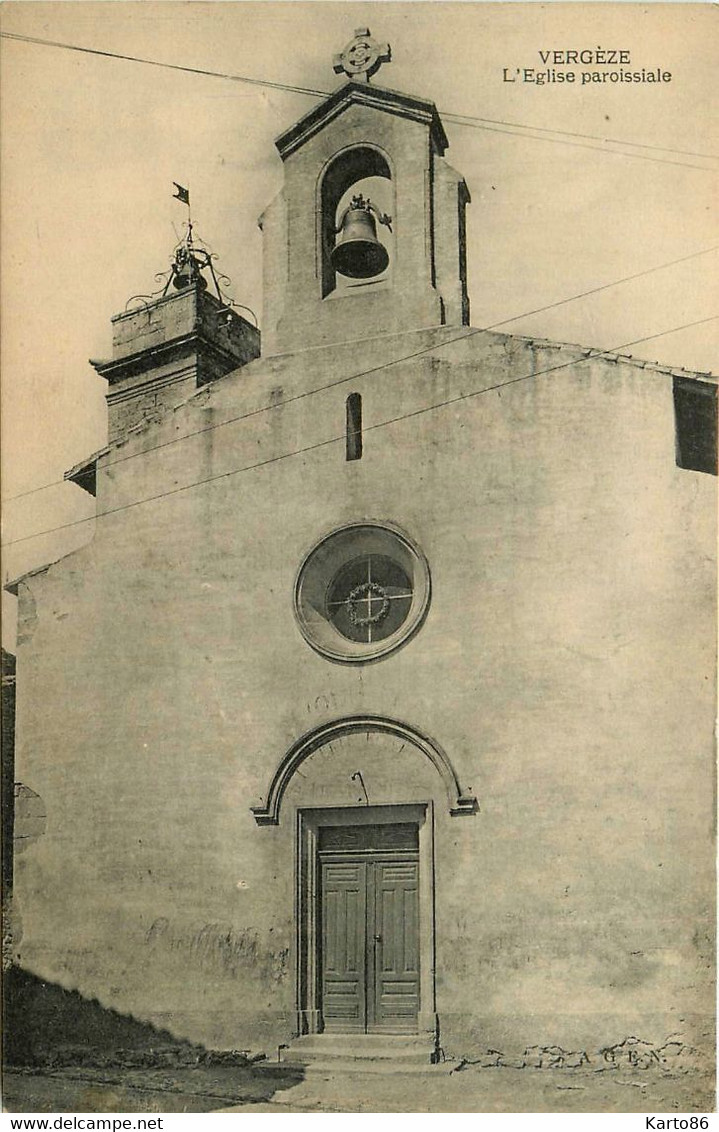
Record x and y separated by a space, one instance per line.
362 94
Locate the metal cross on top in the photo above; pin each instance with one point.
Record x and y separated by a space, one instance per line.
362 56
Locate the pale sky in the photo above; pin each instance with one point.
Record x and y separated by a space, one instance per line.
91 146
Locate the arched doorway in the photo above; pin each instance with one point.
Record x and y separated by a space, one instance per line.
364 793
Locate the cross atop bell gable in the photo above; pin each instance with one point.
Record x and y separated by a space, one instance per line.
362 57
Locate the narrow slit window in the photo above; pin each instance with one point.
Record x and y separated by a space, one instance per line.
354 426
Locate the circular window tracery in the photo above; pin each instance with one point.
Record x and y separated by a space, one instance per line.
369 598
361 592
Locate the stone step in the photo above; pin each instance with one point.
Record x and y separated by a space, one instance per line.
361 1052
365 1067
371 1044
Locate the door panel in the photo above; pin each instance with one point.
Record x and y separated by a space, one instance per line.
370 943
344 888
396 983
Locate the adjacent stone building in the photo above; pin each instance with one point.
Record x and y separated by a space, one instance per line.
382 697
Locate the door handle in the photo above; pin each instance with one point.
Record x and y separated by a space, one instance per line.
378 939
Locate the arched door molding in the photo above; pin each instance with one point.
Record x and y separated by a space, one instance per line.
459 802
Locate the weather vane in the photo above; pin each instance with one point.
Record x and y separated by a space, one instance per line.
190 259
362 57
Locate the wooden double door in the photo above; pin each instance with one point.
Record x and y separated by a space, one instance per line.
369 938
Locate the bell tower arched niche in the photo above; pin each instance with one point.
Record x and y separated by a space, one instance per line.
358 171
458 801
363 132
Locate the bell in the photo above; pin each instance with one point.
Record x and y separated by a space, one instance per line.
186 270
358 253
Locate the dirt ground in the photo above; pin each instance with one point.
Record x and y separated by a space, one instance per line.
191 1089
440 1089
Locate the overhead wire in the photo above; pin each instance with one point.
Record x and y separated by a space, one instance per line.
384 365
591 356
583 145
495 125
159 63
575 134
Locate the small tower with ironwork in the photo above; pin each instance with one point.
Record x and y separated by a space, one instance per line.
167 344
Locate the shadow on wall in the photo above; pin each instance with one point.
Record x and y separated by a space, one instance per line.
45 1025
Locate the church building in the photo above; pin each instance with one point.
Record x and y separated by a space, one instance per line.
381 699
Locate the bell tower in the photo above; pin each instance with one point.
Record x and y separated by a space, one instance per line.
367 236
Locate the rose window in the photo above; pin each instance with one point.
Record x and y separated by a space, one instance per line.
361 592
